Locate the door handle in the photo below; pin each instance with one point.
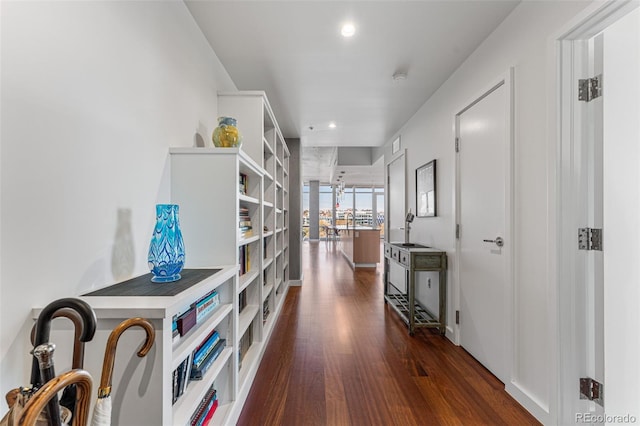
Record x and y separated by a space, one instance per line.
498 241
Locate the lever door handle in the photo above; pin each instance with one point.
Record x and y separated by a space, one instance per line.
498 241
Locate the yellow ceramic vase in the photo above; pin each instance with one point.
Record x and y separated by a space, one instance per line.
226 135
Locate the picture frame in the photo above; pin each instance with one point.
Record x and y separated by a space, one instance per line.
395 145
426 197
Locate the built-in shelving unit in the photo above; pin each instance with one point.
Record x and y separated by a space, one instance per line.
233 212
272 154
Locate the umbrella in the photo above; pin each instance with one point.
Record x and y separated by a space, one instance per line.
44 354
43 329
68 399
49 391
102 409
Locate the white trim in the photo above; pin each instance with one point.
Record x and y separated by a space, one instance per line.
295 283
505 79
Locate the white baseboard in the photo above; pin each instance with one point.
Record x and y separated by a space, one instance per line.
529 403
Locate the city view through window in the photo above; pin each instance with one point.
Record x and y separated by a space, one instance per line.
353 205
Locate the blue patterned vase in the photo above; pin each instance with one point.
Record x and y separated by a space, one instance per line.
166 251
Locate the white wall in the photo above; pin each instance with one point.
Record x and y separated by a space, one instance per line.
93 94
521 41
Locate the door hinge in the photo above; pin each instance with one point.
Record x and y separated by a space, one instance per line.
457 317
457 144
592 390
590 239
457 231
590 88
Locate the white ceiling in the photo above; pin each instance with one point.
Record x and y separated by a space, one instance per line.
312 75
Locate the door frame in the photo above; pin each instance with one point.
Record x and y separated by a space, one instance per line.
506 80
565 142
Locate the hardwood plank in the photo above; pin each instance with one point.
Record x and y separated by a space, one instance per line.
340 356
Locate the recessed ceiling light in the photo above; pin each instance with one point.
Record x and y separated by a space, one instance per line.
348 30
332 125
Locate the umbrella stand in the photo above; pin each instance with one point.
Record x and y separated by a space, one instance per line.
102 409
50 389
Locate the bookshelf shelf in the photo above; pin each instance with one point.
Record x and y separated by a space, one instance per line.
248 199
246 317
267 262
245 241
267 289
193 338
247 279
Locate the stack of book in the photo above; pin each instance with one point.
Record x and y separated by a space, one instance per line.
244 223
243 184
180 378
203 414
205 355
244 259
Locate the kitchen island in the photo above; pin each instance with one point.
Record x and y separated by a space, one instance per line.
360 245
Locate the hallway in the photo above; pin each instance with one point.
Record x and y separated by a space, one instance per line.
339 356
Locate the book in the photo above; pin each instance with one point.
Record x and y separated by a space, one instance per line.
243 181
198 373
210 412
242 300
203 406
206 305
186 321
184 378
174 395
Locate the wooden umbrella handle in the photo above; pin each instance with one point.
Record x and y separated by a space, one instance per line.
78 345
39 400
110 351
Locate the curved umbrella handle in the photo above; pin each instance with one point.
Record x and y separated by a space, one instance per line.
78 345
43 326
40 399
110 351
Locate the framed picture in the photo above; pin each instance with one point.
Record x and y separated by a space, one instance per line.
426 190
395 145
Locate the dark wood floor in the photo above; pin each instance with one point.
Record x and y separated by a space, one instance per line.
340 356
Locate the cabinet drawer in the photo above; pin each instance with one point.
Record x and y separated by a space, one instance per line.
395 254
428 262
404 258
387 250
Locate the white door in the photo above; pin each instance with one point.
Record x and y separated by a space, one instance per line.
621 216
396 202
483 140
